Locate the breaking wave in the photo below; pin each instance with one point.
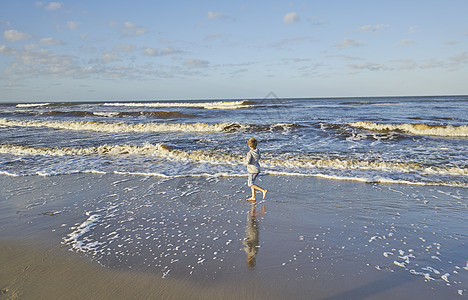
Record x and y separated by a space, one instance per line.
147 127
205 105
33 105
125 127
219 157
150 114
415 129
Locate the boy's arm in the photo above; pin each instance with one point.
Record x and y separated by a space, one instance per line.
247 158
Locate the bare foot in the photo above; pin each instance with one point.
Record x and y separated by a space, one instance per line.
264 193
251 199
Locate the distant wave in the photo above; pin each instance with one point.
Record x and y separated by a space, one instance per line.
416 129
300 161
33 104
146 127
150 114
206 105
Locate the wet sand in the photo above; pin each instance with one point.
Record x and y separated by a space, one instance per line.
120 236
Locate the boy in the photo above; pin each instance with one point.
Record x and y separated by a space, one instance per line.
253 168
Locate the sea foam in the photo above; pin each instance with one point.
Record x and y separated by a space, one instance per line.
206 105
125 127
416 129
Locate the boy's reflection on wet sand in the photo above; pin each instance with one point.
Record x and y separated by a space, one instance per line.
251 242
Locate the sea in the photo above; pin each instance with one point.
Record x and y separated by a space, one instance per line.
405 140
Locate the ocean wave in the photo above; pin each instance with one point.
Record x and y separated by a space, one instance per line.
33 105
380 180
206 105
150 114
148 127
125 127
415 129
300 161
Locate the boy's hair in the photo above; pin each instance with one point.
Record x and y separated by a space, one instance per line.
252 143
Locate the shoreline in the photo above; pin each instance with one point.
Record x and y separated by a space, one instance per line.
194 237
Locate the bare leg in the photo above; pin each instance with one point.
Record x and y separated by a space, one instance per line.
256 187
253 194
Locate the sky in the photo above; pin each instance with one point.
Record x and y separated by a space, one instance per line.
168 50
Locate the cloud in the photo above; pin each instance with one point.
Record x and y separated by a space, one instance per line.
413 29
450 43
7 50
131 29
72 25
196 63
53 6
109 57
106 57
217 15
149 51
405 64
368 66
349 43
213 36
125 48
50 41
290 18
285 42
405 42
371 27
43 63
170 50
15 35
460 58
31 47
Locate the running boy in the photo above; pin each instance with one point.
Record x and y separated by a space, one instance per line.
253 168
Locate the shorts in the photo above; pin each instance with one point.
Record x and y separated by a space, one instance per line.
251 179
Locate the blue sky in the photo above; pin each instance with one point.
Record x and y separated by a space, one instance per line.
144 50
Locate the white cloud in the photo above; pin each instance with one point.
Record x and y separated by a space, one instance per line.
367 66
31 47
170 50
15 35
405 42
149 51
217 15
53 6
196 63
50 41
109 57
131 29
72 25
460 58
349 43
125 48
213 36
413 29
39 3
371 27
7 50
291 17
285 42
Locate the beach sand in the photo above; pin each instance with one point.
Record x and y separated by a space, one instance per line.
101 236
